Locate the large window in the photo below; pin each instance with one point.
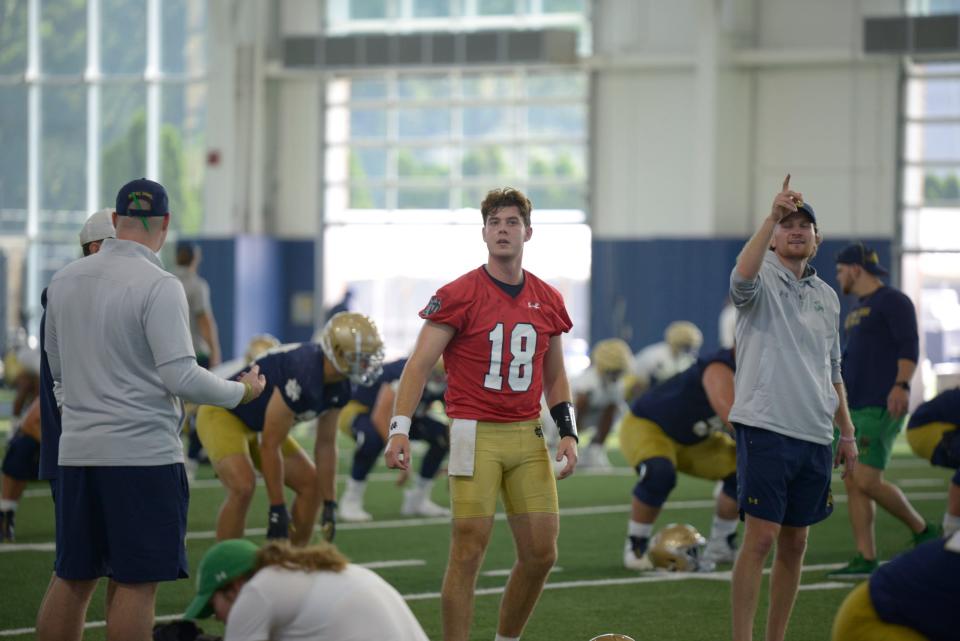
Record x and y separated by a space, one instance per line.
409 158
378 16
931 217
403 142
78 118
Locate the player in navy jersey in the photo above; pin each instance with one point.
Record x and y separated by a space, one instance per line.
934 434
879 359
305 381
366 419
681 425
914 597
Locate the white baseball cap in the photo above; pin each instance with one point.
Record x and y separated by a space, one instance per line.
98 227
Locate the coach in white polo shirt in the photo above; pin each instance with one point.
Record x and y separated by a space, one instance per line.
118 341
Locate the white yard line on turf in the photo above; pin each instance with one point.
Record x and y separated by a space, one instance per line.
694 504
507 571
377 477
654 577
651 577
923 482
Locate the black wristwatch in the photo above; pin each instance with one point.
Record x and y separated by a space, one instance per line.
904 384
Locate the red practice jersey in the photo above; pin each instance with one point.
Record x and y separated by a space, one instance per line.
494 362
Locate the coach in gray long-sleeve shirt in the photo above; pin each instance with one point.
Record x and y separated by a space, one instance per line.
788 393
117 338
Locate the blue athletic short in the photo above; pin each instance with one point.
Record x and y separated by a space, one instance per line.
782 479
127 523
22 460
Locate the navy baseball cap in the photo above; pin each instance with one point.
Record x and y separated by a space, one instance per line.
806 209
142 197
860 254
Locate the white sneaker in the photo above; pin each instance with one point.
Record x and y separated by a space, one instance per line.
632 562
601 461
595 458
353 512
416 503
721 550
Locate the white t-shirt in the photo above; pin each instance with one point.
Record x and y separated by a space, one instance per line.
656 363
352 605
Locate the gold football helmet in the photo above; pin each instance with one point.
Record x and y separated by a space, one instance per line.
612 357
677 548
352 343
260 345
683 336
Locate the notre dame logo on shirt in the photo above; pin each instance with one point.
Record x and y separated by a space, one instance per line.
432 307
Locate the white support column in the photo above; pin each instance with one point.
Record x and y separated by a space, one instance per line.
257 126
34 124
152 76
93 77
220 214
705 90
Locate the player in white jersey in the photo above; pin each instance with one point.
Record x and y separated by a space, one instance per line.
599 396
657 362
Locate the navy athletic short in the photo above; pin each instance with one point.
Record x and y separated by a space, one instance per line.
22 460
127 523
783 479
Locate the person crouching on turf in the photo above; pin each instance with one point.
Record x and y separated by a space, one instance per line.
680 425
366 419
305 381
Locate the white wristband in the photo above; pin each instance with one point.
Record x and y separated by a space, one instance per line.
399 425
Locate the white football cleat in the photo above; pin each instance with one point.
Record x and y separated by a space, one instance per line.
632 562
720 550
353 512
417 503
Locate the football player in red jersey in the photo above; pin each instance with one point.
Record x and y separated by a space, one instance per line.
498 328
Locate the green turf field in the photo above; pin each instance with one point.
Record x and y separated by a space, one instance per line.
589 593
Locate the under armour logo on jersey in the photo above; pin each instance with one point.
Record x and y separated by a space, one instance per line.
533 305
292 390
753 501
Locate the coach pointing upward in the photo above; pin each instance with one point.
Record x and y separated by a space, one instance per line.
119 346
788 394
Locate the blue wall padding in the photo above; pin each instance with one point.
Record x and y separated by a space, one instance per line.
252 282
637 288
297 263
259 303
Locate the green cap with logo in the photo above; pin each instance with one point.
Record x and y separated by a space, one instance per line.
224 562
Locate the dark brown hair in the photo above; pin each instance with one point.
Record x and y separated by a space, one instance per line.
506 197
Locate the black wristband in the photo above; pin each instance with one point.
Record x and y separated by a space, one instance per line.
904 384
563 416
